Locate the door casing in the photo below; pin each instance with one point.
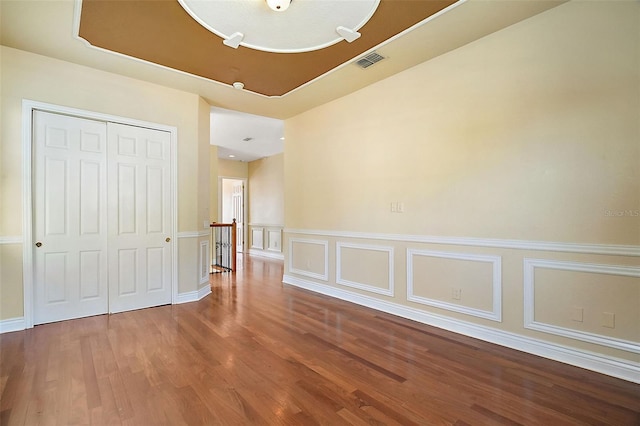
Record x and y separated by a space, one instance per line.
28 106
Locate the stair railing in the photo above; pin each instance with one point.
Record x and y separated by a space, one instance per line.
223 241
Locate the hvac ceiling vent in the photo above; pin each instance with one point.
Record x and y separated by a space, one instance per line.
247 139
368 60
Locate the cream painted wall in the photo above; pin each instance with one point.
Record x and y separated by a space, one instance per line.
266 190
213 183
29 76
233 169
528 135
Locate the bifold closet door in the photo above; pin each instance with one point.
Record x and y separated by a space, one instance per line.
139 217
69 210
102 217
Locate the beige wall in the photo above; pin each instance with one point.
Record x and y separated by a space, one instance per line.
233 169
213 183
29 76
266 190
528 135
266 208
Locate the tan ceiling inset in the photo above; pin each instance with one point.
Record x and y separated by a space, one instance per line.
162 32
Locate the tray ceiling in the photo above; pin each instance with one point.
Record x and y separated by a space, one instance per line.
162 32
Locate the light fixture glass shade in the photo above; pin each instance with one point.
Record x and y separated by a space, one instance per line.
279 5
308 24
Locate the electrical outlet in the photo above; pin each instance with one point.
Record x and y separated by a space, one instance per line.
456 293
608 320
577 314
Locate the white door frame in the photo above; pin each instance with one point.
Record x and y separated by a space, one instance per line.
27 189
245 203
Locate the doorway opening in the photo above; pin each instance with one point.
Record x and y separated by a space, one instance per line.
232 206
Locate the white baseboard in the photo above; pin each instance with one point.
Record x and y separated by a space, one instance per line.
193 296
623 369
271 255
12 324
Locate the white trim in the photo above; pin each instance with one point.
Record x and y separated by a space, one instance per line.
278 232
193 296
496 264
269 254
529 301
325 275
606 249
253 244
193 234
11 240
389 291
12 324
266 225
615 367
204 292
204 262
27 197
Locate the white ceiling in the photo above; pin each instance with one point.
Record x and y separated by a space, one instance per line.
229 129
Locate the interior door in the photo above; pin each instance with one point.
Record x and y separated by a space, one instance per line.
70 256
237 200
140 216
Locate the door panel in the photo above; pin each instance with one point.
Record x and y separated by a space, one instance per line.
238 213
70 266
139 217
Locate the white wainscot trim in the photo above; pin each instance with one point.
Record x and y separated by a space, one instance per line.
205 260
267 254
606 249
530 266
389 291
615 367
325 275
193 234
11 240
274 240
496 261
12 324
257 238
193 296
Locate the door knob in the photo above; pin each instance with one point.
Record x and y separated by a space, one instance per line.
38 244
167 239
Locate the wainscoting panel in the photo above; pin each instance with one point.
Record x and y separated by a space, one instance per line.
257 238
461 284
274 240
309 258
205 261
589 302
467 283
365 267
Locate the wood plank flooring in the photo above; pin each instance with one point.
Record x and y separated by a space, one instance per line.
257 352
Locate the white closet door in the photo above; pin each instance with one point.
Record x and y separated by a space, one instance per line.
70 229
139 211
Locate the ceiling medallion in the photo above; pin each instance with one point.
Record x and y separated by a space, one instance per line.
298 26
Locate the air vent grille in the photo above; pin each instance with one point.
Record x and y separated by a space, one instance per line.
368 60
247 139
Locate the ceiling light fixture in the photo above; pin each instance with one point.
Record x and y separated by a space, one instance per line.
279 5
308 24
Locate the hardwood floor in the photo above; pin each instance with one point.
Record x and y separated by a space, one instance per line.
260 352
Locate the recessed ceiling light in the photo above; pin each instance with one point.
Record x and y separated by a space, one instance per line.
232 156
282 138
